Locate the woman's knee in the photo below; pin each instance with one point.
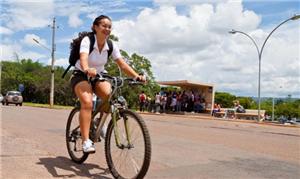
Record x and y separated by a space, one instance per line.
103 89
86 103
84 92
105 96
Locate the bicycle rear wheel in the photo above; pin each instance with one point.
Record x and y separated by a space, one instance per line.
73 138
130 160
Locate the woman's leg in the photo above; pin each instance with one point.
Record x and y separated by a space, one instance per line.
84 92
103 90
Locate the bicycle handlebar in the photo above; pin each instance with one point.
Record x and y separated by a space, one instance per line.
116 81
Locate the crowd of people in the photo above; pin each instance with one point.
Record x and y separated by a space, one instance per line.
173 101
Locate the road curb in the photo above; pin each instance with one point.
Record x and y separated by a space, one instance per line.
208 117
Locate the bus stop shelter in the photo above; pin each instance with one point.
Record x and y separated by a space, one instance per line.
206 90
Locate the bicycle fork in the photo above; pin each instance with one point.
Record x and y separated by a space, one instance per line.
115 113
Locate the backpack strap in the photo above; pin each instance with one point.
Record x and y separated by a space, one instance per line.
110 47
109 43
92 41
65 72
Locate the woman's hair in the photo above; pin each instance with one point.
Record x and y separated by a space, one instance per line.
97 21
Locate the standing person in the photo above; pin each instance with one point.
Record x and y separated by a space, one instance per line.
178 102
157 103
185 99
174 101
191 101
89 65
164 102
142 100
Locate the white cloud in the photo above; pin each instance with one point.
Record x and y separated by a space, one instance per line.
27 15
6 31
60 62
197 46
28 40
74 20
32 55
6 52
15 51
24 15
185 2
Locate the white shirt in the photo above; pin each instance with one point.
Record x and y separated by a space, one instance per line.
157 98
96 59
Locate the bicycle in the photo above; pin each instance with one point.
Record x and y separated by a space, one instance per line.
127 140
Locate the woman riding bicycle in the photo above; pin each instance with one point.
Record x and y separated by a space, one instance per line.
89 65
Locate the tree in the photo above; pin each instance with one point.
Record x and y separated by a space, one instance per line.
247 102
267 106
36 80
289 109
224 99
141 65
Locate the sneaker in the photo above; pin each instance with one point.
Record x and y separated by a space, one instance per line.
88 146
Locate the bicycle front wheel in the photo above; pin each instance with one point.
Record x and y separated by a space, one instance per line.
130 156
73 138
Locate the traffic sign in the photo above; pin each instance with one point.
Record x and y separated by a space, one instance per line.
21 88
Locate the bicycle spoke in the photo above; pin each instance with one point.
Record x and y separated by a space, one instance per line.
134 139
135 165
119 156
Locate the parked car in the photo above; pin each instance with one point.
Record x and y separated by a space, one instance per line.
13 97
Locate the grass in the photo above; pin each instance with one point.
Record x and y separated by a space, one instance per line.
46 105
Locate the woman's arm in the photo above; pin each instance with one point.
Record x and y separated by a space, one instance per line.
85 65
128 70
84 55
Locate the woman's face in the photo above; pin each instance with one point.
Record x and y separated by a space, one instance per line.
103 27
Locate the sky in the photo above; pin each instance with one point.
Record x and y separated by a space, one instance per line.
183 39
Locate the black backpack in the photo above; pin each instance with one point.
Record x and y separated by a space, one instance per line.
75 48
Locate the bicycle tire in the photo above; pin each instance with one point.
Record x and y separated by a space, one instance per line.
76 135
127 114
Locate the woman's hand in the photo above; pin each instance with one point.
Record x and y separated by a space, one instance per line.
129 71
92 72
141 78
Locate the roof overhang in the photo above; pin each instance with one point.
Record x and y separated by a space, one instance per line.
185 84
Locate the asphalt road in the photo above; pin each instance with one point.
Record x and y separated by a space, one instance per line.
33 146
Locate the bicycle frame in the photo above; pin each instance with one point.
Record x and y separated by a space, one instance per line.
114 111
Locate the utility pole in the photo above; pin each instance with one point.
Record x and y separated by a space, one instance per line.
52 64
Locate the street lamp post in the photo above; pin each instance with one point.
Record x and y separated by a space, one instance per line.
52 62
295 17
